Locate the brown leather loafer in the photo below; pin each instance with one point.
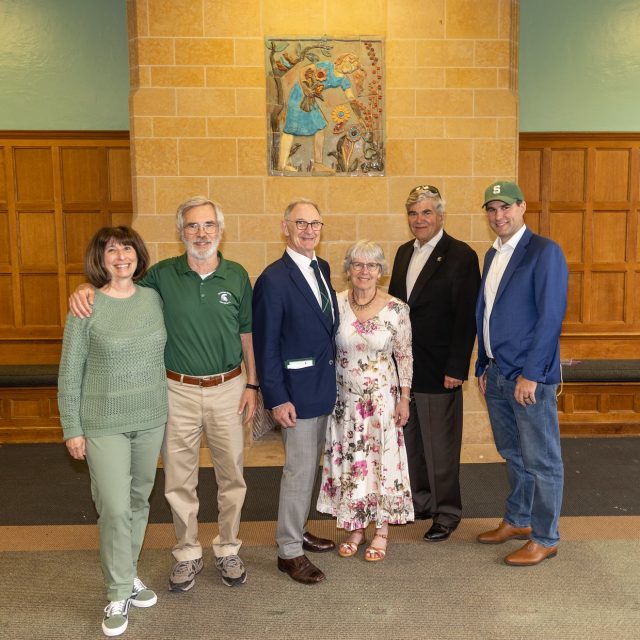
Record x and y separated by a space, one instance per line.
301 570
531 554
503 532
315 544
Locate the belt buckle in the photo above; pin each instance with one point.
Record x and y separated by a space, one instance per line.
204 379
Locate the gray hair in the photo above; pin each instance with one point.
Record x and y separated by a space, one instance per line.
198 201
295 203
418 196
367 250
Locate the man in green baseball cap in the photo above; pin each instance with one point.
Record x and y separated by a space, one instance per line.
508 192
522 301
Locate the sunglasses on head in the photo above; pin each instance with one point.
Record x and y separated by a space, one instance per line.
425 188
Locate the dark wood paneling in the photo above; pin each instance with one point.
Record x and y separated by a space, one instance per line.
119 175
83 173
3 179
33 174
56 190
6 295
29 415
599 408
588 200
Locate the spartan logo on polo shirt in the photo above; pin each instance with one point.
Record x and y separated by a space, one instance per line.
224 297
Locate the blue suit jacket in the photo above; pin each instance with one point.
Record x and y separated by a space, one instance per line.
526 318
288 325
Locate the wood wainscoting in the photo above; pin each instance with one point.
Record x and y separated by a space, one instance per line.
29 414
583 190
599 408
56 189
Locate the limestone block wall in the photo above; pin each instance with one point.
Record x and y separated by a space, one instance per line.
198 123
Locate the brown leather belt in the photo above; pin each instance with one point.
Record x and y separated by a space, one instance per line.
204 381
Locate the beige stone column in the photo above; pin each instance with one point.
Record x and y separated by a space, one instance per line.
198 123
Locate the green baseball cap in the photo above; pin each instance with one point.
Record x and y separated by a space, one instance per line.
507 192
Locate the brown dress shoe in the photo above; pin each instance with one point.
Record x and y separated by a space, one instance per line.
504 532
315 544
301 570
531 554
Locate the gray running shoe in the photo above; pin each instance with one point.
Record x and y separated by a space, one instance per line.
183 575
116 618
141 596
232 570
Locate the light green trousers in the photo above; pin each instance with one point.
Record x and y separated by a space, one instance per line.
123 469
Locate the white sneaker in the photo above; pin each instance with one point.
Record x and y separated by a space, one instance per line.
232 570
116 618
183 575
141 596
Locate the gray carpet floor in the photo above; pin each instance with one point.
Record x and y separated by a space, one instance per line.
452 591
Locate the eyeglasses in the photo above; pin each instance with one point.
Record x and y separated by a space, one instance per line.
360 266
192 228
303 225
425 188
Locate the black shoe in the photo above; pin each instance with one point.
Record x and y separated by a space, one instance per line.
438 532
423 515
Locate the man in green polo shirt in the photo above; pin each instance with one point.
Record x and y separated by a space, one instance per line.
207 313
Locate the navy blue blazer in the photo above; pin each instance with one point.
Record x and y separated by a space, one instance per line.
527 315
293 341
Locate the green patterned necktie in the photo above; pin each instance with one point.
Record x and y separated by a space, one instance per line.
325 301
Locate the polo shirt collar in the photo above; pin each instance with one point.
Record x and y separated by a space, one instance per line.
183 267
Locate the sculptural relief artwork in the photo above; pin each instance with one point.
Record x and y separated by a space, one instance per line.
325 106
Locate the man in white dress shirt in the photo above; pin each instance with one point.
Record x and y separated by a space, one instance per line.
519 315
438 276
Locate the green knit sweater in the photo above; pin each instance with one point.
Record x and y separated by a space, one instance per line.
112 377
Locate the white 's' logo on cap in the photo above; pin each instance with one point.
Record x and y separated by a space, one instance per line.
496 188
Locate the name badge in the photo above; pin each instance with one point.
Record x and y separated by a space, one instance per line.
300 364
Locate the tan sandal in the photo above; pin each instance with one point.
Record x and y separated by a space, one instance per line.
375 554
349 548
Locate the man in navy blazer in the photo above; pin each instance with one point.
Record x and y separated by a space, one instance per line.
521 305
295 317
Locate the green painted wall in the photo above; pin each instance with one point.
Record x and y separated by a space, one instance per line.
579 65
63 64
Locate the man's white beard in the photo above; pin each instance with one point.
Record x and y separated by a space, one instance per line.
202 254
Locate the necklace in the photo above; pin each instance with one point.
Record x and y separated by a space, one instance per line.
360 307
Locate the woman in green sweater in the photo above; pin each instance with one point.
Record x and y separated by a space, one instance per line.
112 395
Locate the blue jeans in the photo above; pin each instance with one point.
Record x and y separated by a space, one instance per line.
528 438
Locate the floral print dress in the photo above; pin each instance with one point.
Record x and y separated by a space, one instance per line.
364 476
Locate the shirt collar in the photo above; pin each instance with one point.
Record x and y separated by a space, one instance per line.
302 261
182 266
432 243
512 242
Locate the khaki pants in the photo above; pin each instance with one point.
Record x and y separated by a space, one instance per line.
214 411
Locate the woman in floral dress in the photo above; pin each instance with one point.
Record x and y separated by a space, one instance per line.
365 477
